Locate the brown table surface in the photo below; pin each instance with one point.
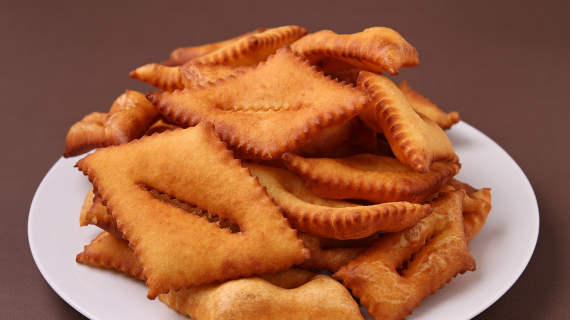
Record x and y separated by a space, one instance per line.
503 65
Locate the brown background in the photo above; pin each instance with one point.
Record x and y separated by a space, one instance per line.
504 65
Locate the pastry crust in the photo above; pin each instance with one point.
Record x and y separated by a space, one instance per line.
253 48
182 55
129 118
336 219
109 251
268 110
375 49
192 165
377 179
414 138
422 105
296 294
164 78
400 269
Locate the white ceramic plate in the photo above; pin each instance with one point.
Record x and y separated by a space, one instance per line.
502 249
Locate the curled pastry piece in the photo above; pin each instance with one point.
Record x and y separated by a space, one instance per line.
165 79
399 270
193 74
375 49
427 108
414 138
182 55
253 48
109 251
194 166
476 208
333 218
129 118
329 258
369 177
268 110
308 295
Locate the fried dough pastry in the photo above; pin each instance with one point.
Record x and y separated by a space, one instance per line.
85 207
325 142
400 269
274 289
333 218
109 251
369 177
99 217
330 259
193 74
422 105
182 55
160 126
349 76
268 110
164 78
415 139
362 140
245 50
308 295
476 208
253 48
129 118
174 247
376 49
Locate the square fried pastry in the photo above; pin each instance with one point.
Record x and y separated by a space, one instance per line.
268 110
177 249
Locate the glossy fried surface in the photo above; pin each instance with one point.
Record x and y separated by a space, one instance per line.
194 166
109 251
400 269
330 259
375 49
253 48
429 109
333 218
184 54
308 295
164 78
85 207
268 110
377 179
476 208
193 74
322 144
99 217
129 118
414 138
